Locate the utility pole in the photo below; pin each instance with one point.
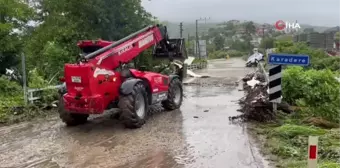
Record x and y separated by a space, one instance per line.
188 38
181 29
24 80
263 27
265 47
197 38
197 42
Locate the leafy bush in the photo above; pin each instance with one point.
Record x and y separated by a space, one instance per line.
317 90
12 107
235 53
299 48
332 63
11 96
37 81
11 93
9 88
267 42
197 61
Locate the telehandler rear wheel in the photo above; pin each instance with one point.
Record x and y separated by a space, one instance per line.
70 119
175 95
134 107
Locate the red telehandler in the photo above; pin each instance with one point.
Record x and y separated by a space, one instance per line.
101 80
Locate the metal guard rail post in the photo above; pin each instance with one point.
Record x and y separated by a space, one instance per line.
31 92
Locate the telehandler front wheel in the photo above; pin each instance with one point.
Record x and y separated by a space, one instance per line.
70 119
134 107
175 95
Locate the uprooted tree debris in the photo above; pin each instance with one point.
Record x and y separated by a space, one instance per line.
255 105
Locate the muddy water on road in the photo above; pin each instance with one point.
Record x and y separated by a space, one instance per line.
199 135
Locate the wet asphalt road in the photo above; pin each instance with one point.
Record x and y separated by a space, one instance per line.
199 135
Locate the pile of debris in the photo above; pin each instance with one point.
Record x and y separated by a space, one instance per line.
255 105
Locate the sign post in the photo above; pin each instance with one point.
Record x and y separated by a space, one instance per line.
276 61
312 152
23 64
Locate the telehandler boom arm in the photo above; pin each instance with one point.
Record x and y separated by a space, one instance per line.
126 49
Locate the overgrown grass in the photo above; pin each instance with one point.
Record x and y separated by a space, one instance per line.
287 144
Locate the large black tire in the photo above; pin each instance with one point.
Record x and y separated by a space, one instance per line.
173 101
70 119
129 105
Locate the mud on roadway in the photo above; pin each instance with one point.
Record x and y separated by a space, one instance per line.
199 135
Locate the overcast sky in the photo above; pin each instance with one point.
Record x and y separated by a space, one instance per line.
314 12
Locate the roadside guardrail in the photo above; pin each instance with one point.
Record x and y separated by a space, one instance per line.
31 92
197 66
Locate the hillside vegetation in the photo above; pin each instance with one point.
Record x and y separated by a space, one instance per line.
314 93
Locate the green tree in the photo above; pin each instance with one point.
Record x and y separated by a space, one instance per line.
241 46
230 29
277 33
337 36
267 43
249 28
64 23
219 42
285 38
14 15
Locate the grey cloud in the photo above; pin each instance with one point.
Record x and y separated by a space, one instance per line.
315 12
